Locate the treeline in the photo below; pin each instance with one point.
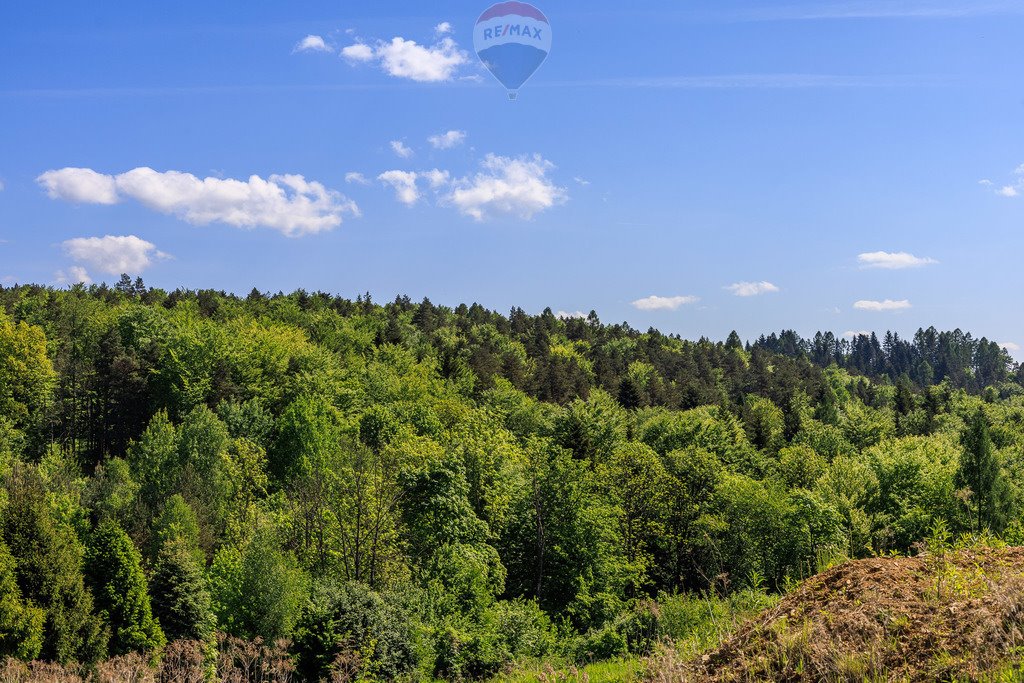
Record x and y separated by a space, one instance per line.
932 357
415 492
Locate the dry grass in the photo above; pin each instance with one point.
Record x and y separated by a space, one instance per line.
232 661
947 616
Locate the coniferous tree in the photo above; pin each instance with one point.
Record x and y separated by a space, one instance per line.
181 597
21 623
981 477
114 572
49 570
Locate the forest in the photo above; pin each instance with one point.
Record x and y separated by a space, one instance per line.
412 492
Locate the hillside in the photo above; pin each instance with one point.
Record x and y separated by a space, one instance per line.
935 617
410 492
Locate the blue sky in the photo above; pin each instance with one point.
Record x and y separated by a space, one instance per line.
694 167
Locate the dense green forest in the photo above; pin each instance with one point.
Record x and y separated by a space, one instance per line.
414 492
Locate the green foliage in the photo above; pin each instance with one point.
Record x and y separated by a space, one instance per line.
153 458
181 597
48 568
113 491
257 589
462 489
21 623
114 573
986 495
178 521
26 373
351 623
800 466
436 509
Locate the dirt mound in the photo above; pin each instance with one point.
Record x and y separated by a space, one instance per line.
946 616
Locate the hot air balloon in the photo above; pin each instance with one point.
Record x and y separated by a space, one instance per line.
512 39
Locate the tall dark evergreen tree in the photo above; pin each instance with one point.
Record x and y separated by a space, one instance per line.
181 597
980 476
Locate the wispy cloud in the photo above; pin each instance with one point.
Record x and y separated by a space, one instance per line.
1013 189
1010 346
447 140
404 185
664 303
566 315
353 177
752 288
850 334
880 306
312 43
896 260
73 276
401 150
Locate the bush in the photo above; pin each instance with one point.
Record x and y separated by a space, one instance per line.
368 632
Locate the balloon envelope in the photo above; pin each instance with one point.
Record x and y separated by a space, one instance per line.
512 39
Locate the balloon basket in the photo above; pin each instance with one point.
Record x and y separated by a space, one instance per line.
513 95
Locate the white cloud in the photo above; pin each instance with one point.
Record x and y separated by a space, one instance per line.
404 184
850 334
452 138
358 52
893 260
73 276
403 58
312 43
437 178
113 255
79 185
752 288
400 149
577 314
664 303
887 305
514 186
357 178
582 181
443 28
287 203
1010 346
1014 189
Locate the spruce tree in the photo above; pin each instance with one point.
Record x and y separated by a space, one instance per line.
979 473
181 597
21 624
114 572
48 570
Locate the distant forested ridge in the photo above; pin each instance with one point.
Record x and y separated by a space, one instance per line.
407 491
